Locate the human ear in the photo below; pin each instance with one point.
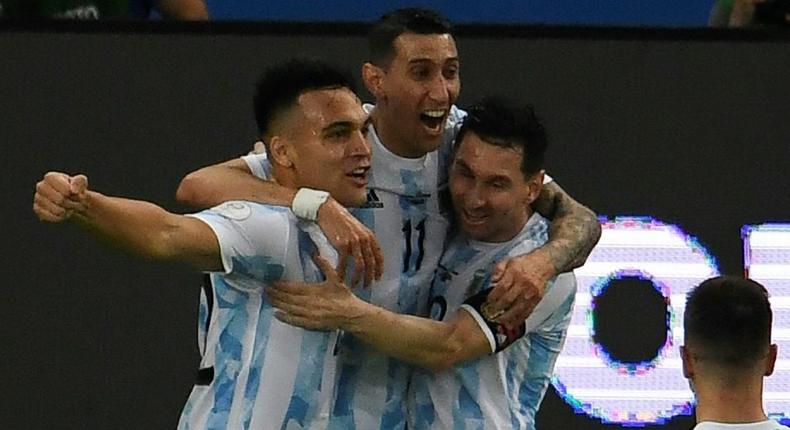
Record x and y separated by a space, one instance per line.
373 77
771 360
688 366
280 151
535 184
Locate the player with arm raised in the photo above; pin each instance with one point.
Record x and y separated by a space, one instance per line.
256 372
413 73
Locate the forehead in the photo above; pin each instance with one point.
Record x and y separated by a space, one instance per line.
436 47
326 106
486 159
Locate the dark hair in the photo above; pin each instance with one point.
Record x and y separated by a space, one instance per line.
391 25
281 85
728 321
503 122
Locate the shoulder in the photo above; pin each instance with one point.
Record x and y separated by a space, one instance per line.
249 221
244 211
455 118
534 234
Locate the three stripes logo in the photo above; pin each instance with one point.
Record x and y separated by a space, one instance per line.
373 201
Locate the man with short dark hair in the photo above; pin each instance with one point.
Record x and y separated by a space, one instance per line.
255 373
727 352
479 373
413 73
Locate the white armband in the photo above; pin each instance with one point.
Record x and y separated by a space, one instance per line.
306 203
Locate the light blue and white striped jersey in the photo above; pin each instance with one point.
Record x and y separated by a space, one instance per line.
503 390
403 211
259 373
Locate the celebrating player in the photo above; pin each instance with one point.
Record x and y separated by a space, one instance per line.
255 371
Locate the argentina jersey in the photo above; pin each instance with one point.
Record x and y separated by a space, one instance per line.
255 371
403 211
502 390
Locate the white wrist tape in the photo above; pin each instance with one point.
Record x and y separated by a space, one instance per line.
306 203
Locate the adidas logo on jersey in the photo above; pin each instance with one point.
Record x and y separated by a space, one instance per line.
373 201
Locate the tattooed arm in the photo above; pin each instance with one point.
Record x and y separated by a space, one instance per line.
520 281
574 228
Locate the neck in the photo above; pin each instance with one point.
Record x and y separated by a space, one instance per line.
387 130
283 176
727 404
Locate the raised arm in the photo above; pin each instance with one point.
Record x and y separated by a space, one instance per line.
436 345
233 180
230 180
575 228
137 227
520 281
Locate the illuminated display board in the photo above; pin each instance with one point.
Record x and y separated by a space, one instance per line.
654 390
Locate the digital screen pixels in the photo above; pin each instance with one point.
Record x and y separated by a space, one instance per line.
630 368
767 260
654 391
586 376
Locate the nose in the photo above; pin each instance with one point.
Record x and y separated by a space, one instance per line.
439 89
475 197
359 146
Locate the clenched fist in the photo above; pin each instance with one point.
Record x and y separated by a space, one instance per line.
59 196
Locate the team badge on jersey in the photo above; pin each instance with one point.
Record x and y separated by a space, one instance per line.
237 211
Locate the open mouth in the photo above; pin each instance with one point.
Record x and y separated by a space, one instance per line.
433 119
474 219
359 175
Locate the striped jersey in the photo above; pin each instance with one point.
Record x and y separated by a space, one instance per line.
256 372
502 390
403 211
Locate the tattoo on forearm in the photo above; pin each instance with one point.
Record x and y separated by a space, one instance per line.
574 228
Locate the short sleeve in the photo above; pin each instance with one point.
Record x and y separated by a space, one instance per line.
253 238
259 165
499 337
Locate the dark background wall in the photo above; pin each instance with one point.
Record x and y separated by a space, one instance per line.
692 128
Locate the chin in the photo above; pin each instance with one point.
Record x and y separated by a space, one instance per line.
430 145
352 201
475 233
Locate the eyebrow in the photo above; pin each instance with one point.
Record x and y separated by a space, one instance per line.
429 60
343 125
461 163
493 178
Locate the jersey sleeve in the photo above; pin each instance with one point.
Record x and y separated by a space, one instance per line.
259 165
253 238
553 310
552 313
499 337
